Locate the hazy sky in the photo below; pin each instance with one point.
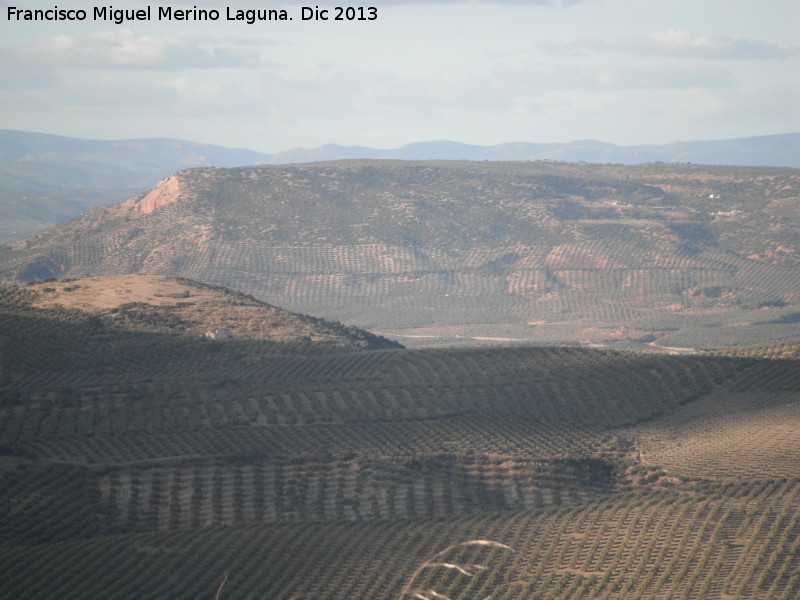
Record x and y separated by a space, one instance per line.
474 71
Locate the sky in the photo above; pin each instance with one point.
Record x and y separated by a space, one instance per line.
473 71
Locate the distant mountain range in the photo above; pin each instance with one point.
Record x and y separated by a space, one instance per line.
767 151
42 161
48 179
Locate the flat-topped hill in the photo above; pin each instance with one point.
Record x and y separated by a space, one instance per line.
458 252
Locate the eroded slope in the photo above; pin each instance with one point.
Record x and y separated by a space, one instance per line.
451 252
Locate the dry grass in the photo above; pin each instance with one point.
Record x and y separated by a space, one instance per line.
195 308
96 294
221 585
465 569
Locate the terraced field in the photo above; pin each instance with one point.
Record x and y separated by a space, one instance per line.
156 463
730 541
728 435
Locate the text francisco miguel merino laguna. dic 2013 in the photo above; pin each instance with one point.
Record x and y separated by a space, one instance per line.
169 13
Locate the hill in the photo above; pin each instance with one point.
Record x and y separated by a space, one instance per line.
145 463
179 306
47 179
682 256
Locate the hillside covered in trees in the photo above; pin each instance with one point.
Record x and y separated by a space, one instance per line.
453 253
141 459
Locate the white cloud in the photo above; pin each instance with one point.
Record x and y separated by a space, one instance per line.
133 95
205 91
341 94
685 44
473 70
677 43
541 78
123 49
91 92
